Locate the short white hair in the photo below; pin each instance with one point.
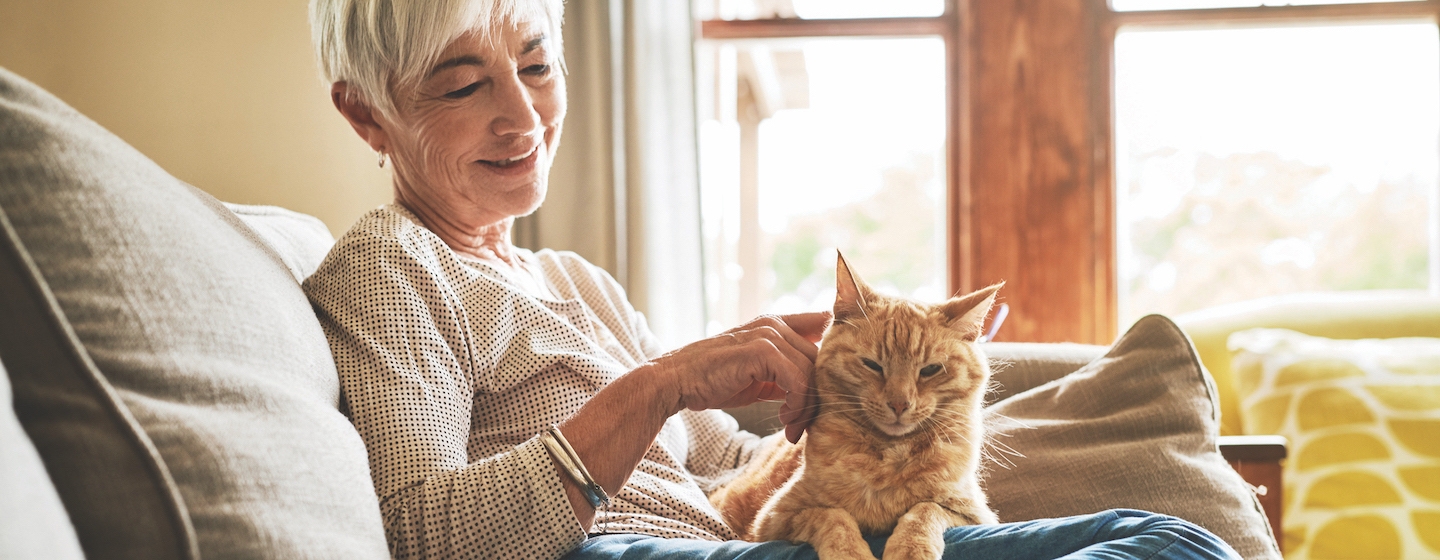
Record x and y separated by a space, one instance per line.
381 46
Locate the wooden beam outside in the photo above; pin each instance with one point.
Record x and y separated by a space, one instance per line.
1039 217
1105 315
959 243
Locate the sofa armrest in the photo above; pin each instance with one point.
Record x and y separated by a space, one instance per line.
1257 459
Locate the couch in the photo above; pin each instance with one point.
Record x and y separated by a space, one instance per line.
172 394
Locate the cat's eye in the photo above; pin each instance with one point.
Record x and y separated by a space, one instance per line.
931 370
872 365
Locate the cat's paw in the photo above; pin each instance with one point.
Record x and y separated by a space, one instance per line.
920 548
973 516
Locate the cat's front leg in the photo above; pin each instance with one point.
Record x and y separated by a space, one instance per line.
833 532
968 507
920 533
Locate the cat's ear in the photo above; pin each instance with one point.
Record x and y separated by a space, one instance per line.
967 313
850 292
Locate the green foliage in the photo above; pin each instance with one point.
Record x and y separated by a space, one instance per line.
794 261
890 238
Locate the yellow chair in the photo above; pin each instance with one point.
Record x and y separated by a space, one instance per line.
1342 315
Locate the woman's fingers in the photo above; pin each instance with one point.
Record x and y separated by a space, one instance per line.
770 358
798 419
801 341
811 326
795 332
768 342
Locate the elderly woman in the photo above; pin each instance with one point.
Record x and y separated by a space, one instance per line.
459 352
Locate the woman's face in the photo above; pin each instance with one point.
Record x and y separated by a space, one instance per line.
474 142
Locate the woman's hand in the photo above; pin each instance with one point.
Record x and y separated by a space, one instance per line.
770 358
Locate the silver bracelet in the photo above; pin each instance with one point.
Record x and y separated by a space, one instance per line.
560 449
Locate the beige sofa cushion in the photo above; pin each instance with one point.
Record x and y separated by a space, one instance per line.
300 240
177 386
1136 428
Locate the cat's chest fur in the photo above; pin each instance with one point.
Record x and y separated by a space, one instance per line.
878 479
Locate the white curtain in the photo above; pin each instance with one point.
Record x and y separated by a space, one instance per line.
624 188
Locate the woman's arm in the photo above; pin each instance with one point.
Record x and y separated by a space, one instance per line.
769 358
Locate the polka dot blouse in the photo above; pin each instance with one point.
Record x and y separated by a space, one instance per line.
451 368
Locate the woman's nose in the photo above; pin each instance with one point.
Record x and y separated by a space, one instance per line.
515 108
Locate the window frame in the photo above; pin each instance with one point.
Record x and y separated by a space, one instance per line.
1030 139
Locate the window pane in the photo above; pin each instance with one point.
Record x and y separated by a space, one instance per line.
1253 162
809 146
1143 5
817 9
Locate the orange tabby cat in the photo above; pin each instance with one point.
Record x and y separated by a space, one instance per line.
896 444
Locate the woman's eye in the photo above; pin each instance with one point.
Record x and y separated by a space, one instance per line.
872 365
463 92
537 69
930 370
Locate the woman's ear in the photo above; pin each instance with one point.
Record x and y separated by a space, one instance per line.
363 118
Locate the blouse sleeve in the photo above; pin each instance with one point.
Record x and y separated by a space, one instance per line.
396 329
717 445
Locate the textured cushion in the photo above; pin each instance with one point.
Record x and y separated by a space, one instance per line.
300 240
1020 366
1363 420
77 423
43 530
1135 428
169 314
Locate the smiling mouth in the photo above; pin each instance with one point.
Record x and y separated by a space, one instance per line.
510 162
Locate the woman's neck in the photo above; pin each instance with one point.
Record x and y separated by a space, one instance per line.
472 237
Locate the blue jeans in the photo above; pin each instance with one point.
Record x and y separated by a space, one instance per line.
1113 534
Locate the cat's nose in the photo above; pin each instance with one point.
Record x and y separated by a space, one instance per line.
899 407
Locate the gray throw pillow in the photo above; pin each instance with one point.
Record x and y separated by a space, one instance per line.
1136 428
159 311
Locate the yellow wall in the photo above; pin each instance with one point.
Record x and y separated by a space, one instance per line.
224 94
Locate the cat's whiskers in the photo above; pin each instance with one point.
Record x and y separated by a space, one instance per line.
946 430
932 425
825 393
839 410
954 416
993 424
1004 448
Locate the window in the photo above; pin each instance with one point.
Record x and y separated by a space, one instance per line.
1079 167
1263 161
815 138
